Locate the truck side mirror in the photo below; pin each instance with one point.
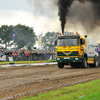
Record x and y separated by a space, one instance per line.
55 43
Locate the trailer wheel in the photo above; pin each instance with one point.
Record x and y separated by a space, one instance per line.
96 62
84 63
60 65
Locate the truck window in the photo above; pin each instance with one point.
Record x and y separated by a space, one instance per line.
82 41
68 42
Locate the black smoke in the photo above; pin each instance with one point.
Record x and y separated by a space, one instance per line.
63 11
65 5
96 6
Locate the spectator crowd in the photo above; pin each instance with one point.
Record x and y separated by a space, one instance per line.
23 55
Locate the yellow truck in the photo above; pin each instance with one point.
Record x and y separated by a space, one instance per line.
76 50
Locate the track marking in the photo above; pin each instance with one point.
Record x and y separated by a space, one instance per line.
21 65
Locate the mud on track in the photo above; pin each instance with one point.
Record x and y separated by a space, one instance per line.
15 81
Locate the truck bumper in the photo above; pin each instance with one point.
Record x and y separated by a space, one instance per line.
69 59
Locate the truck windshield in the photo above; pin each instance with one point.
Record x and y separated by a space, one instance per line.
68 42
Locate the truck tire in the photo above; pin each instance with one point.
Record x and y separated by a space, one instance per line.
96 62
60 65
84 63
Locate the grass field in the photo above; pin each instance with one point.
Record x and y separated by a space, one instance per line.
87 91
25 62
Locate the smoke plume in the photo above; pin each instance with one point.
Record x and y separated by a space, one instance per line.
85 11
75 15
63 11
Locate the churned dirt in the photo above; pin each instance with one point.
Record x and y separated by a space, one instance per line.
20 80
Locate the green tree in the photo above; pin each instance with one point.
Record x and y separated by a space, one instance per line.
25 36
49 39
6 33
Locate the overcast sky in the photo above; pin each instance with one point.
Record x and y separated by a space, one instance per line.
42 15
30 13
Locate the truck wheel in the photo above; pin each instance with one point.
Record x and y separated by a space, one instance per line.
96 62
84 63
60 65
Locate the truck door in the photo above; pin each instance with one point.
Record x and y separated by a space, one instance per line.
82 46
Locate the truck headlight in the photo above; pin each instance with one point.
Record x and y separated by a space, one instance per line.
58 58
76 58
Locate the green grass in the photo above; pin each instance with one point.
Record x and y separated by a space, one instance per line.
25 62
92 96
90 90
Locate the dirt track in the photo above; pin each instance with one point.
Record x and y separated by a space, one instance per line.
15 81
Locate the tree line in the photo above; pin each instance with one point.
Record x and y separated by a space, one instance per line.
24 37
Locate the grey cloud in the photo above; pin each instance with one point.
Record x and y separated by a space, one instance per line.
46 8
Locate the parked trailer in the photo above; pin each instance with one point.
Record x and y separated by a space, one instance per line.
76 50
